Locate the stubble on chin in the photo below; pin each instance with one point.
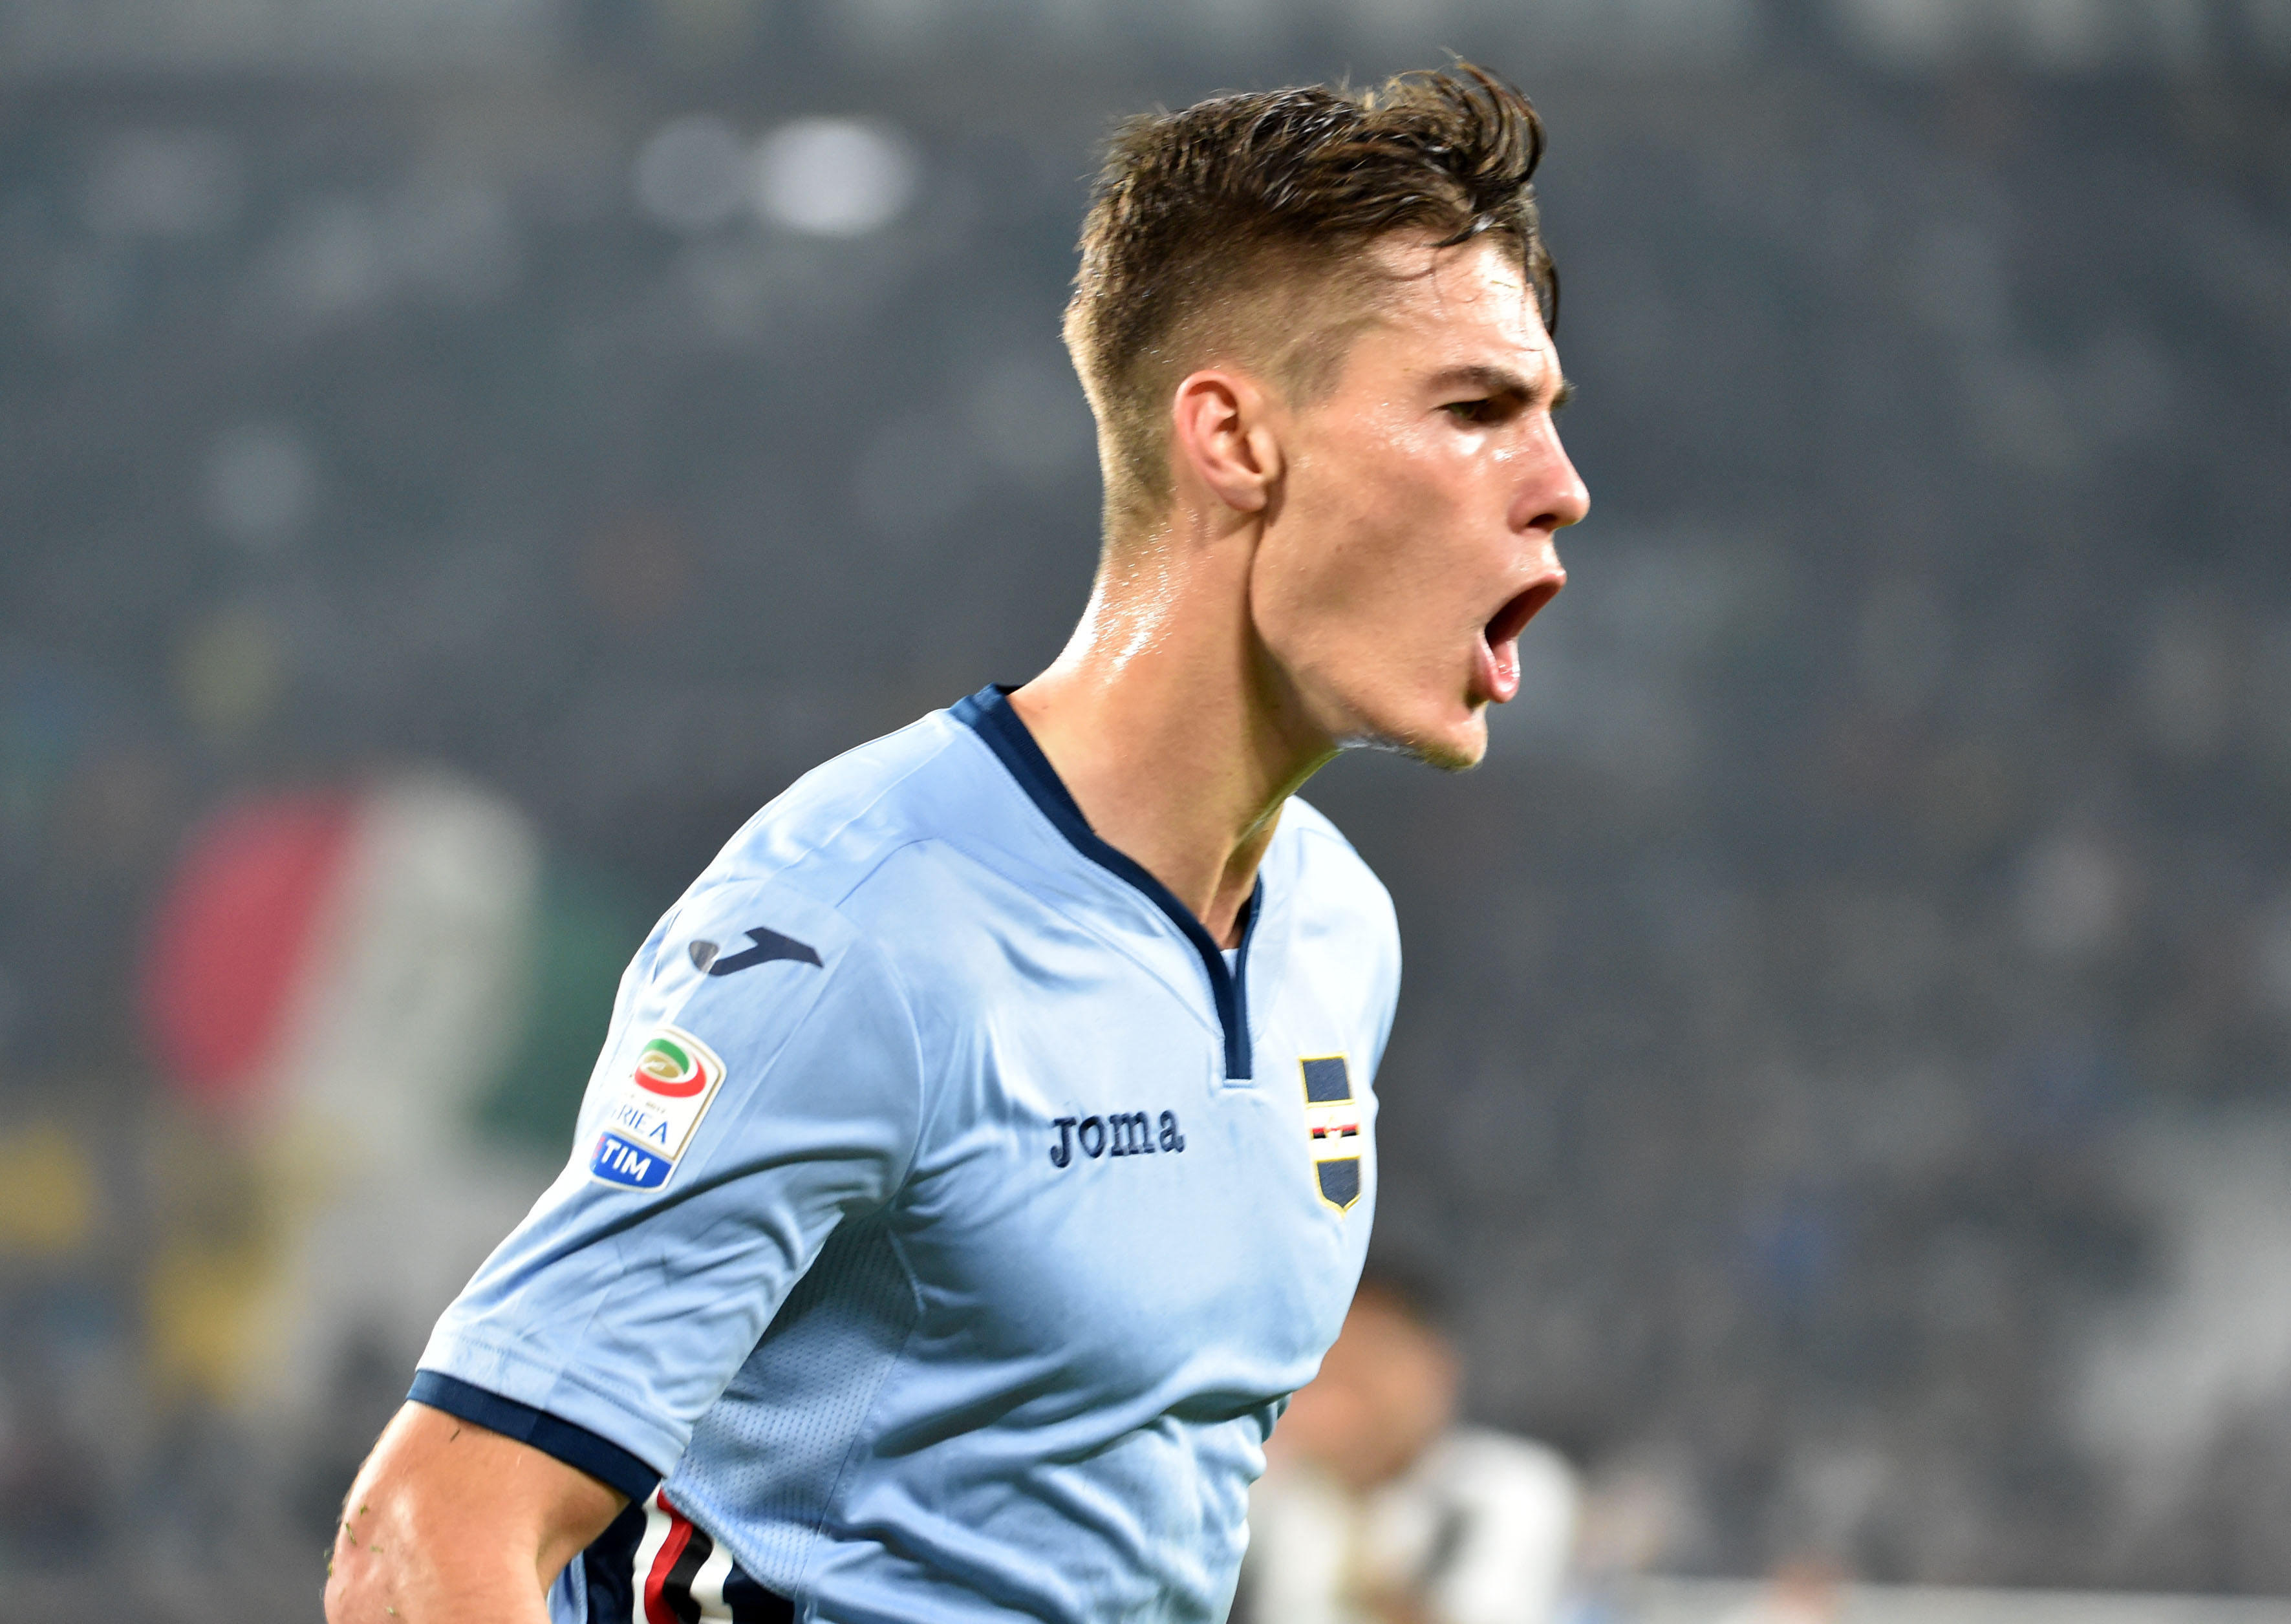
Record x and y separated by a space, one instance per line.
1433 750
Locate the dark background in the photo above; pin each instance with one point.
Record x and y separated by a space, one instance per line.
1885 859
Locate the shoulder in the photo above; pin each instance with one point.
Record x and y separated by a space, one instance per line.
828 831
858 851
1305 823
762 976
1328 871
784 888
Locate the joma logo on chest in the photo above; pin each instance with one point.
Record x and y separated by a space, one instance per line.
1120 1133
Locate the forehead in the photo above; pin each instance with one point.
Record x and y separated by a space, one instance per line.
1471 305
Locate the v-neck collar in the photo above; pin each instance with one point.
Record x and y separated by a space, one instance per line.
989 715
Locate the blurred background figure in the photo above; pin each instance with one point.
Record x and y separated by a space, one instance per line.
1800 1592
1378 1508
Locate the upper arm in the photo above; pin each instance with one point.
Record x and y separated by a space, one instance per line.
749 1098
449 1522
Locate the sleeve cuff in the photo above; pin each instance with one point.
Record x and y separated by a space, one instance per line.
575 1446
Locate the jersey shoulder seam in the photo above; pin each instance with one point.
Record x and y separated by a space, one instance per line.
815 848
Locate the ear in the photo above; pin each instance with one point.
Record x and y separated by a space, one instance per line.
1221 434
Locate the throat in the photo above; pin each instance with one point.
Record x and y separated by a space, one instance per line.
1184 795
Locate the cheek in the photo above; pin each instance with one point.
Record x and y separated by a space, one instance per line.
1371 520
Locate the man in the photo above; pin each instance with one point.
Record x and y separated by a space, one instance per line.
979 1155
1377 1508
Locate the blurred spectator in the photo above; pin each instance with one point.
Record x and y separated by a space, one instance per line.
1800 1592
1378 1508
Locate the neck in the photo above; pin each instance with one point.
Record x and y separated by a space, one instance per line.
1172 728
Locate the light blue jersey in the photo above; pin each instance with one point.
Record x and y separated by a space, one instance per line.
949 1220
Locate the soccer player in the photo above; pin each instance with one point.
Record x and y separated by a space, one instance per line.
1379 1509
980 1152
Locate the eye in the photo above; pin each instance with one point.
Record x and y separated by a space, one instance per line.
1480 411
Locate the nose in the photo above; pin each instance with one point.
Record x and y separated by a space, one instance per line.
1551 494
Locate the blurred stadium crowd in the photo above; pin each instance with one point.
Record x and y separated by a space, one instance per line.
451 470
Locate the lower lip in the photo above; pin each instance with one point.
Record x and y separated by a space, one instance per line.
1498 672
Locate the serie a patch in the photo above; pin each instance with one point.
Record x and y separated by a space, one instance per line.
650 1122
1332 1127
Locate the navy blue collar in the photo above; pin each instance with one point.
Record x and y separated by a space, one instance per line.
989 715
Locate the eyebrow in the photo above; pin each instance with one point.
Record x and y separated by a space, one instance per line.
1501 380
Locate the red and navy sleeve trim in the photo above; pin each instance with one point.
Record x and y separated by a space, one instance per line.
575 1446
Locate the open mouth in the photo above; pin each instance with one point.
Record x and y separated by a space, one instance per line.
1499 673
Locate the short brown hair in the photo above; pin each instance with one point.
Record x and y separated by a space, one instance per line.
1206 224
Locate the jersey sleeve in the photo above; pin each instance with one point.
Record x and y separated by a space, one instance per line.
761 1081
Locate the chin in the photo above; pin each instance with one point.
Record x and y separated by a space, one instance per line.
1453 745
1459 751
